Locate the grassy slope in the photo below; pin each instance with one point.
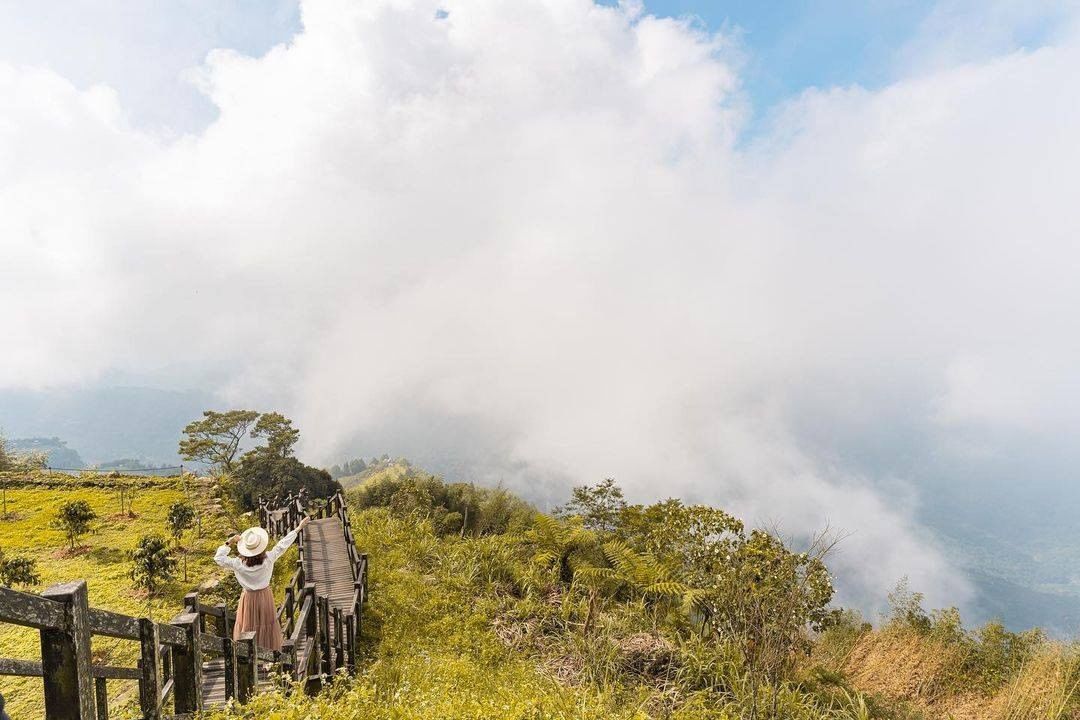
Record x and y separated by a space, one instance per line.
105 566
933 678
443 637
434 652
440 637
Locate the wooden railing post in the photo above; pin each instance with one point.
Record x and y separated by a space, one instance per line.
290 610
288 659
339 640
101 694
230 667
314 659
187 666
350 641
149 670
247 668
226 627
65 657
324 637
191 605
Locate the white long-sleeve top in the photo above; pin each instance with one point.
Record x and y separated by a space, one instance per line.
258 577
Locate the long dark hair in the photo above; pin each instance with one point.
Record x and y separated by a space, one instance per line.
254 560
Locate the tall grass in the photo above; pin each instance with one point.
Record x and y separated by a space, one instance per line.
465 627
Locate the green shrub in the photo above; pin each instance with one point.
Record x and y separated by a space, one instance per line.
74 518
151 563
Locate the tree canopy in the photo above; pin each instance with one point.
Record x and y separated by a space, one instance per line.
18 570
74 518
279 433
152 563
181 516
216 438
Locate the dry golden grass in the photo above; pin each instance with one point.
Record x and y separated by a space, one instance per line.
901 663
924 672
1043 689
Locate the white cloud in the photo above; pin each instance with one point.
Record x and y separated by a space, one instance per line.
519 239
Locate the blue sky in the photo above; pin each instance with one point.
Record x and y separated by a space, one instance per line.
142 50
791 45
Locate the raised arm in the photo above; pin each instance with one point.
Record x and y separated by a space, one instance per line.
283 544
221 557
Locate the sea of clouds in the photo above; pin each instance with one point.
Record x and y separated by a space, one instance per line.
530 242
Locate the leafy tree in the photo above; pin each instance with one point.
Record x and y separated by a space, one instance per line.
261 473
181 517
749 590
279 432
599 506
18 570
74 518
152 563
215 440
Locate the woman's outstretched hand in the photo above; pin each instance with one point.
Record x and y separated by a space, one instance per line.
304 522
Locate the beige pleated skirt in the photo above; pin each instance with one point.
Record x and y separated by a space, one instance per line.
256 612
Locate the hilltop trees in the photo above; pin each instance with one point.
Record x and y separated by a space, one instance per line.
74 518
599 506
459 508
263 473
280 435
348 468
745 590
215 440
269 469
16 461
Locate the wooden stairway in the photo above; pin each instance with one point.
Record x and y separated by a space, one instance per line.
332 574
191 664
324 551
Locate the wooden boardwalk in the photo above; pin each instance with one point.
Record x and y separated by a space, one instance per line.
328 564
191 663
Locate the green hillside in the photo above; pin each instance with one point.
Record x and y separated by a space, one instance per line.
482 607
102 560
515 614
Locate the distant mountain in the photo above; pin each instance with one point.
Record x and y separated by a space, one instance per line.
1020 607
58 453
104 423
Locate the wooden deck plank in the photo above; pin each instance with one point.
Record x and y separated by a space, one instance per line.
326 564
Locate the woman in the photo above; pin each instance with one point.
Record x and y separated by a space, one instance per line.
253 570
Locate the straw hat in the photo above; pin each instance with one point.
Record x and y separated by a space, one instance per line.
252 542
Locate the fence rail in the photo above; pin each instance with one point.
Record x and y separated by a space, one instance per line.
181 662
169 471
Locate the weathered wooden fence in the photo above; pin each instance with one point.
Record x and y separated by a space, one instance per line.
192 662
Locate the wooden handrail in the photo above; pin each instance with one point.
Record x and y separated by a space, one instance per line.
171 654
